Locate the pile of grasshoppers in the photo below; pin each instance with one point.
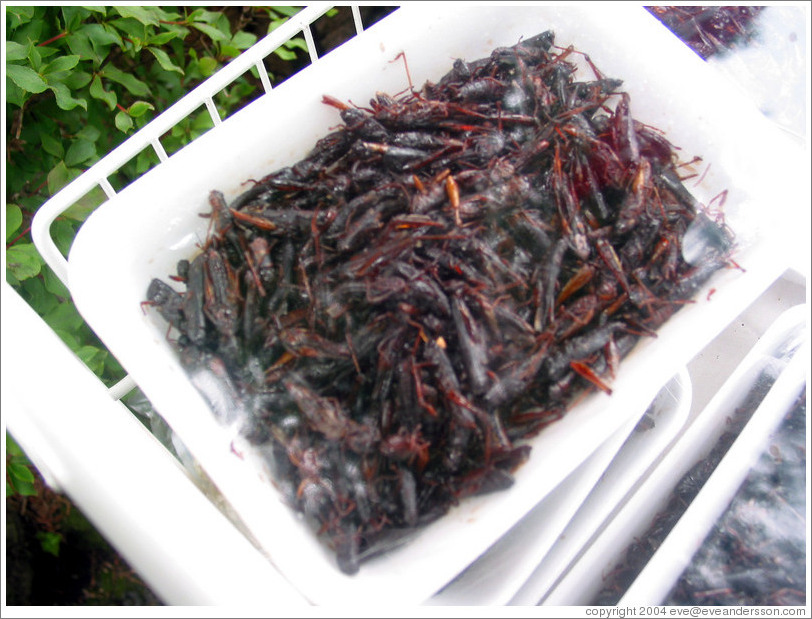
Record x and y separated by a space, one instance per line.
388 318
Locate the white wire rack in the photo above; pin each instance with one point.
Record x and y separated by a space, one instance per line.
150 136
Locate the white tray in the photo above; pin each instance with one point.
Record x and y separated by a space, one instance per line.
142 232
624 473
586 576
573 511
661 572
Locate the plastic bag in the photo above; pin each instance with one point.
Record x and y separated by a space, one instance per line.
761 49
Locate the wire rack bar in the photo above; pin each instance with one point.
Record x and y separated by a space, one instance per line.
98 174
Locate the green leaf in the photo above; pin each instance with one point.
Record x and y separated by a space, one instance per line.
139 108
132 28
101 37
213 33
73 16
63 63
296 43
11 280
33 290
234 94
12 448
23 260
58 177
229 51
275 23
215 18
145 160
51 145
15 51
53 284
89 132
180 32
141 13
20 472
17 15
110 34
243 40
32 29
132 84
14 94
93 358
34 57
14 219
97 91
24 488
77 79
285 54
79 44
69 338
288 11
64 317
123 122
47 52
163 59
113 368
49 541
33 202
26 78
82 208
96 9
196 15
162 38
63 234
221 22
64 99
207 66
202 122
80 151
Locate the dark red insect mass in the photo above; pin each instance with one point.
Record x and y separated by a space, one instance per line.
709 30
438 280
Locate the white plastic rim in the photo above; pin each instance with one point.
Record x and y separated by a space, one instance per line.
626 470
149 136
132 490
143 231
660 574
771 68
585 578
497 576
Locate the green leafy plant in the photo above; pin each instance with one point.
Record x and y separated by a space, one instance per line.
19 477
79 80
278 15
50 541
21 481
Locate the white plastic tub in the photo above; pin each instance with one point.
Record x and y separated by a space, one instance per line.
675 553
573 511
668 413
588 574
142 232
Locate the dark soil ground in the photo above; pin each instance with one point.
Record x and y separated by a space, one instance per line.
82 569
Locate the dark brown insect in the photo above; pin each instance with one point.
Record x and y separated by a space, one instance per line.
709 30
